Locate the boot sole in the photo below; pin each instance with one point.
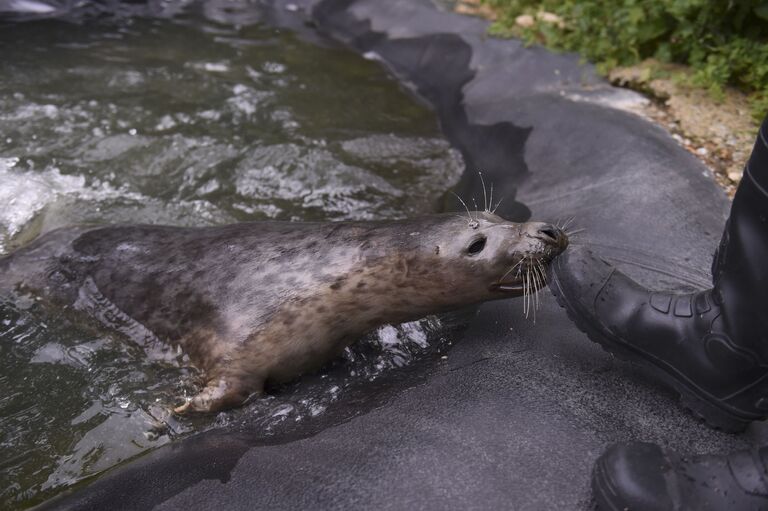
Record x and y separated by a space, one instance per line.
691 398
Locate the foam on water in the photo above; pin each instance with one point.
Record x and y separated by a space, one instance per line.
24 195
28 196
371 358
26 6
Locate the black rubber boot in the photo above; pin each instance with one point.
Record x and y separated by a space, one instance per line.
639 476
710 346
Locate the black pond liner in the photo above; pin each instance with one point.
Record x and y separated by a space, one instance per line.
517 414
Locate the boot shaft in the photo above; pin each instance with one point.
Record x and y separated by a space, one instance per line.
740 267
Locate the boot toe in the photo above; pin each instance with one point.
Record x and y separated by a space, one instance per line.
577 276
630 476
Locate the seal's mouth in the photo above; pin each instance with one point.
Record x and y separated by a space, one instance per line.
512 289
521 287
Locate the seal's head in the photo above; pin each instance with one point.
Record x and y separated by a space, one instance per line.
456 260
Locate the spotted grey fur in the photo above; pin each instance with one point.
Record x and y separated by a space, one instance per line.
268 301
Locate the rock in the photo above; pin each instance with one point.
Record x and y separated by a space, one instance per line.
525 21
551 18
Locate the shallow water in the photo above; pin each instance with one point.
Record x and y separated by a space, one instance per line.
189 122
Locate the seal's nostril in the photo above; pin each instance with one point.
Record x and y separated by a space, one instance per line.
550 232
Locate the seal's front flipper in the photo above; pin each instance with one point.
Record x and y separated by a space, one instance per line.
102 309
220 394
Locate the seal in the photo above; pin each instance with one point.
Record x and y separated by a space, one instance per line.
267 301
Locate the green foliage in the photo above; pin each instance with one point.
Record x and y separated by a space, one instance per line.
724 41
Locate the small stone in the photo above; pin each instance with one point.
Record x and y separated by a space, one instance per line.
734 176
702 151
525 21
551 18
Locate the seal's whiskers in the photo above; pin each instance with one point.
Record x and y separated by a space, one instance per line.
534 280
507 273
535 292
490 200
477 210
488 205
485 195
497 205
527 292
566 223
465 206
542 279
517 264
525 296
540 283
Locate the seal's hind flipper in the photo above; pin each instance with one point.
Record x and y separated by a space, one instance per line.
220 394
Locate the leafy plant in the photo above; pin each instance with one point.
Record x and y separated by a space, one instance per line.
724 41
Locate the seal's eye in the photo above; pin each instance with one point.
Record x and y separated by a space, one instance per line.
476 247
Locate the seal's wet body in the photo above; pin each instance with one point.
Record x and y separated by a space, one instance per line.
267 301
